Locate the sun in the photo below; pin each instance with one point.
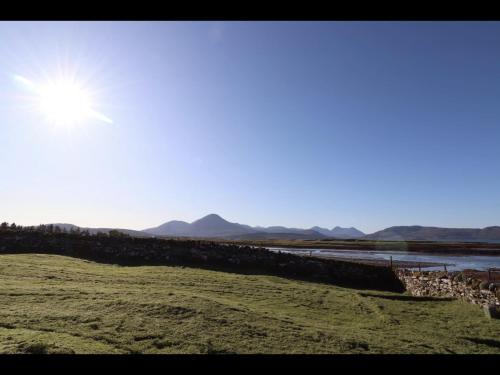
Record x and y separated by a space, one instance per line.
63 101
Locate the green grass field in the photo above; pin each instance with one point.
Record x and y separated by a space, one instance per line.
55 304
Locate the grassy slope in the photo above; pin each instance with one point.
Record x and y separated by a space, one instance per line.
58 304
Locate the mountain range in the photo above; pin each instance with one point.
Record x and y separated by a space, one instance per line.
214 226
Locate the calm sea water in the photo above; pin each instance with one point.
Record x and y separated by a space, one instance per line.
453 262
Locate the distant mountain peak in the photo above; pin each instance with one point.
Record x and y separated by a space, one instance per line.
212 217
350 232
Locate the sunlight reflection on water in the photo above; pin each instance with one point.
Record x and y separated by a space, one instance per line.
453 262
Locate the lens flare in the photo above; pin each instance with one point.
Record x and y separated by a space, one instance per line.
64 102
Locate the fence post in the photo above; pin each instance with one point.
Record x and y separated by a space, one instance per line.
419 269
445 270
391 261
489 274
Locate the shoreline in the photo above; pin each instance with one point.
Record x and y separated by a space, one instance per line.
378 262
395 263
484 275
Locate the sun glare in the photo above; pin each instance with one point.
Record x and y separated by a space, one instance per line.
63 102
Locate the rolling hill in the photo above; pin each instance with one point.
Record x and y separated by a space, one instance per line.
420 233
339 232
130 232
307 235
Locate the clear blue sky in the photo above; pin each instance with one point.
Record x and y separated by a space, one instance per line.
365 124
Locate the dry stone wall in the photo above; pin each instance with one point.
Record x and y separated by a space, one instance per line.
202 254
453 284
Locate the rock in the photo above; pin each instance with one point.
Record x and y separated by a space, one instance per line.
483 285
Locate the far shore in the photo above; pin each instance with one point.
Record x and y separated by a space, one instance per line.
434 247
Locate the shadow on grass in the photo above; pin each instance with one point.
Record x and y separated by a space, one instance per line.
488 342
408 298
390 284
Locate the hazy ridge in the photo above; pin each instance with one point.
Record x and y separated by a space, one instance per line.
214 226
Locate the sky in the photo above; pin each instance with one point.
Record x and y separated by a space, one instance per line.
364 124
